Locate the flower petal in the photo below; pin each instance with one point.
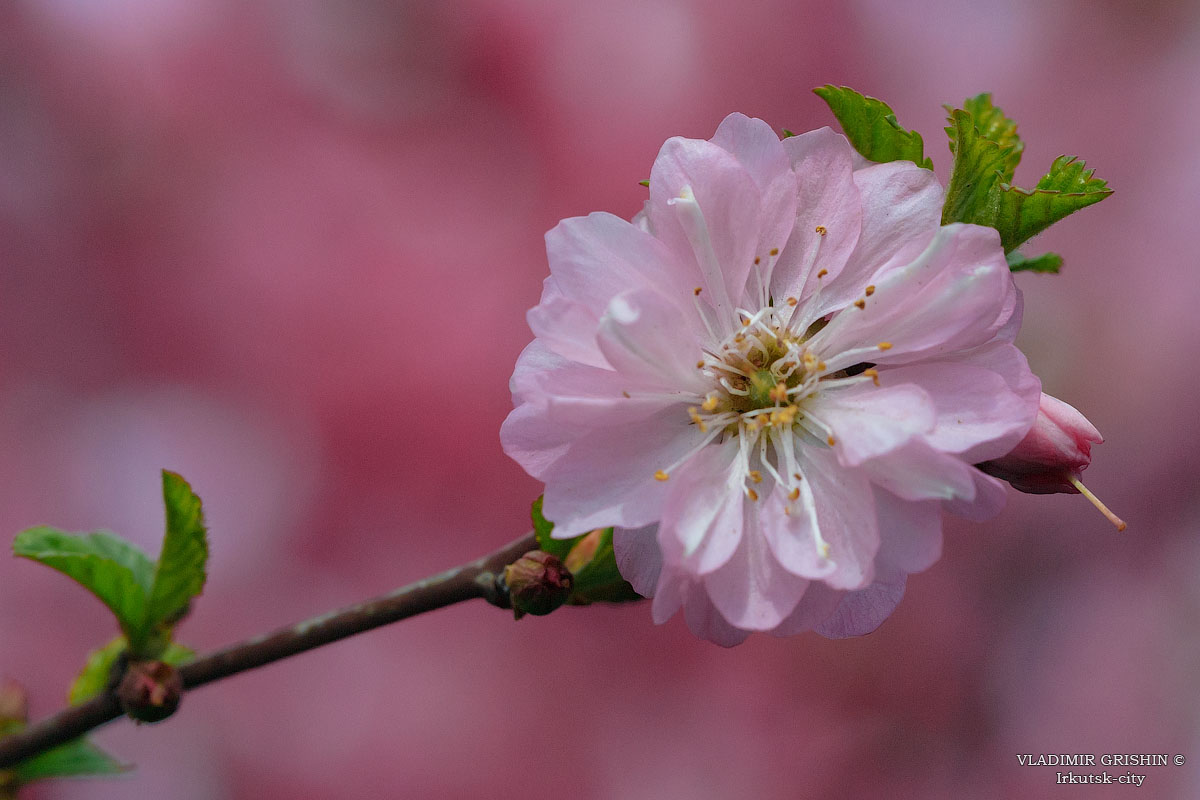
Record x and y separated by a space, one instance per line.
845 511
989 499
534 441
869 421
817 605
706 622
910 532
703 516
639 559
604 480
643 336
863 611
829 199
918 472
565 326
752 590
946 300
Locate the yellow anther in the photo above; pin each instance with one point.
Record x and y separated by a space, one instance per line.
756 260
860 303
870 290
753 495
831 441
756 476
660 475
794 494
791 301
774 251
797 476
778 392
820 366
822 230
710 403
700 364
885 345
822 273
873 374
697 290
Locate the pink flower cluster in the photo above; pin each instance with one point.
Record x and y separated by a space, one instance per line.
772 381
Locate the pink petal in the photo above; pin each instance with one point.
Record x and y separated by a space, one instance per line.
752 590
639 558
706 622
989 499
944 301
604 480
869 421
901 210
645 338
845 508
792 534
863 611
918 472
978 415
590 397
595 258
566 327
828 198
720 254
817 605
534 441
703 515
910 532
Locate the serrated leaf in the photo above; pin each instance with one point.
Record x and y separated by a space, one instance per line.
980 189
1066 188
872 127
180 574
990 123
75 759
114 570
1046 262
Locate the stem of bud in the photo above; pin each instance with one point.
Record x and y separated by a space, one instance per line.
1083 490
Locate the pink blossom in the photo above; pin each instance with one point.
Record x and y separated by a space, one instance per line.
1052 456
772 381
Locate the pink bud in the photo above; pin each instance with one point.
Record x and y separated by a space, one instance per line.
1057 448
1052 455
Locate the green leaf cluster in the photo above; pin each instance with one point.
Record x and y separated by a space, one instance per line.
590 559
986 151
77 758
872 127
147 597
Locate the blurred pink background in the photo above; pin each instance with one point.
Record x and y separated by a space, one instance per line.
286 248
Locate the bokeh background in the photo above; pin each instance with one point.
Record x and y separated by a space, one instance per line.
285 248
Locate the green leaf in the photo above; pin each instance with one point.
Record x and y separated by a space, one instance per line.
180 573
114 570
74 759
991 124
1065 189
872 127
1046 262
787 134
986 152
644 183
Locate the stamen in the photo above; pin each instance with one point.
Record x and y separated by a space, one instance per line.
822 230
756 476
1083 490
794 494
860 303
885 345
661 475
873 374
870 290
753 495
822 273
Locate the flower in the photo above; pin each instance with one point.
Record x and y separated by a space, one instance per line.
771 381
1051 457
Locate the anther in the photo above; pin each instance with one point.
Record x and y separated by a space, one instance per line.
774 251
756 476
794 494
700 364
873 374
697 291
797 476
753 495
660 475
822 273
885 345
757 260
710 403
625 395
860 303
822 230
778 392
870 290
831 441
791 301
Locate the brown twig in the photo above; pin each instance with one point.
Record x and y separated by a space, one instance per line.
479 578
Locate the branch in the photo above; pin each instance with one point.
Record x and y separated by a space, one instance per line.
477 579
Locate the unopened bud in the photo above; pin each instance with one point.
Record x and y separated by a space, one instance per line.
150 691
14 703
537 583
1052 455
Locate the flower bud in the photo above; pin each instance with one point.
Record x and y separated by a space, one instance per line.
537 583
1056 449
1052 455
150 691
